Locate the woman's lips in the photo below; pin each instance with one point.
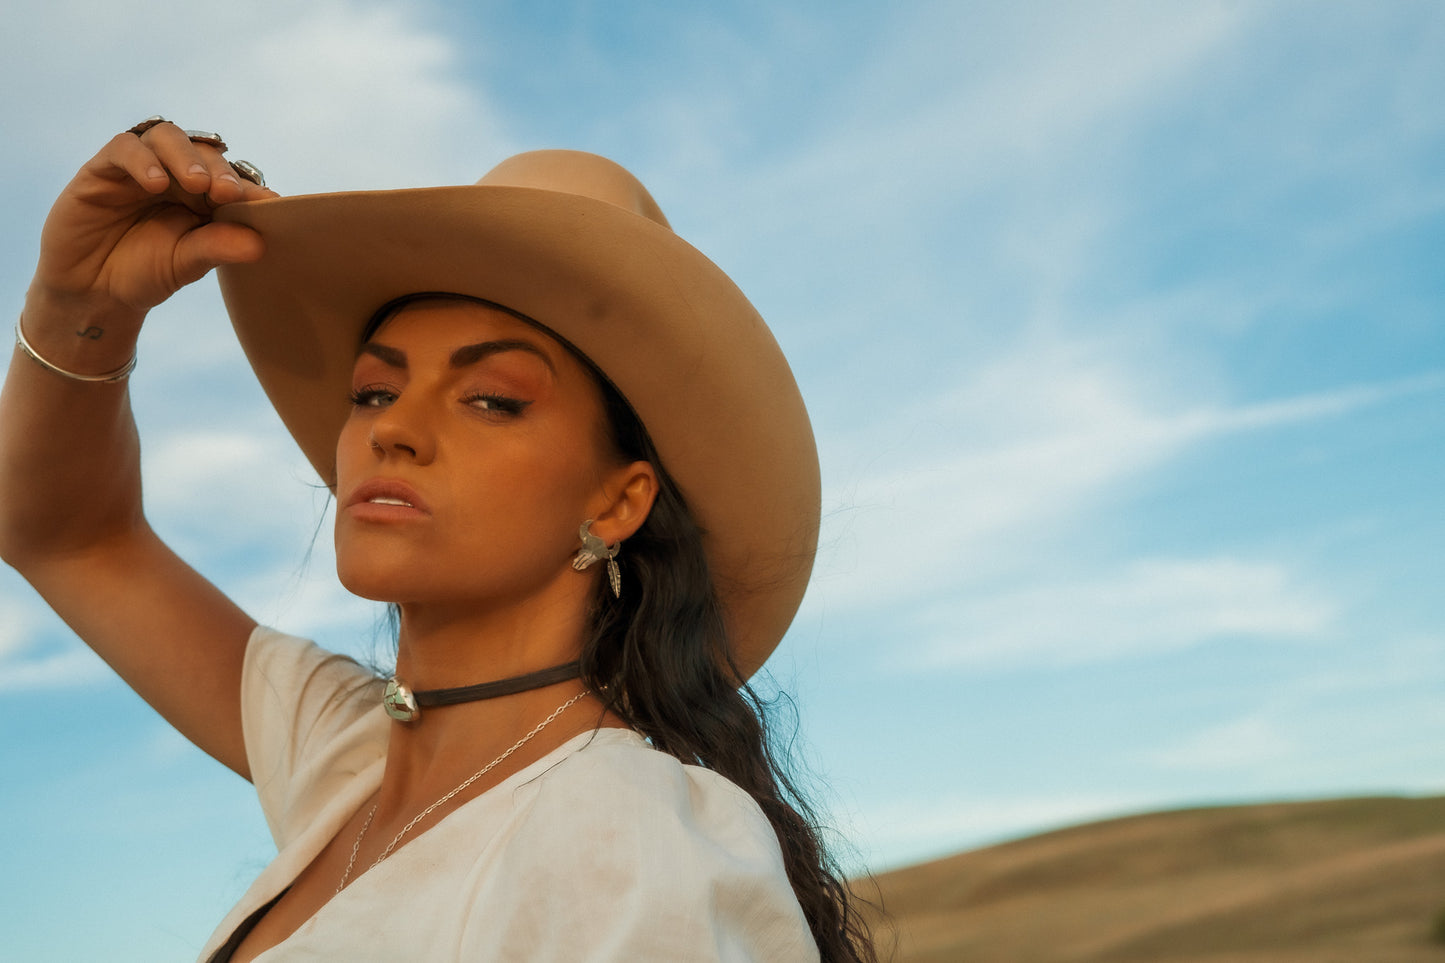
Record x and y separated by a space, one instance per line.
384 499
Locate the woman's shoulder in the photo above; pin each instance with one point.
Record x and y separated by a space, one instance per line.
616 777
653 858
273 655
312 721
293 686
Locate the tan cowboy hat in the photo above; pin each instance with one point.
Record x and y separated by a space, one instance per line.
576 243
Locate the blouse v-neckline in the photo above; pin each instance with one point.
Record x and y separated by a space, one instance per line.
302 851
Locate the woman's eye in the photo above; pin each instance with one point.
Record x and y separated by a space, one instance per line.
497 403
372 396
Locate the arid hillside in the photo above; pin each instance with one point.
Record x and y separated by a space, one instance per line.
1341 881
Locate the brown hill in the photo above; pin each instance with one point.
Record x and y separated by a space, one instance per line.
1342 881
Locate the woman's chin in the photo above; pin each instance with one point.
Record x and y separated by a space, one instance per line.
367 583
372 596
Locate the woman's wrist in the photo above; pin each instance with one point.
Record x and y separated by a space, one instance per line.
78 341
105 377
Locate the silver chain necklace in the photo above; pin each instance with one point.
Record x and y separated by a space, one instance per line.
396 841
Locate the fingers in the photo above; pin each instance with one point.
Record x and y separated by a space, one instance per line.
211 245
128 154
197 174
197 169
135 223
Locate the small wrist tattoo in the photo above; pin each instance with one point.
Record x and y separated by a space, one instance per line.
92 332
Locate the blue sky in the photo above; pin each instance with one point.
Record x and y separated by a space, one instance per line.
1120 326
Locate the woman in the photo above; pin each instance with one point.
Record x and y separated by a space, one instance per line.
565 448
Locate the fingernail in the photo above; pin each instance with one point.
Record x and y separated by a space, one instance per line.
196 169
230 179
155 173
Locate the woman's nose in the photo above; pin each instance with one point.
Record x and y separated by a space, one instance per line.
401 430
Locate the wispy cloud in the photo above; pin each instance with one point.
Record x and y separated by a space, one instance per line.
31 657
1146 607
73 665
973 538
344 68
239 502
1301 729
1018 454
1241 744
356 94
914 129
908 829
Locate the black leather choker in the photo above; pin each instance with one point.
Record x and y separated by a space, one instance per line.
404 705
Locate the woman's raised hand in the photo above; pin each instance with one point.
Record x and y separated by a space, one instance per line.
134 226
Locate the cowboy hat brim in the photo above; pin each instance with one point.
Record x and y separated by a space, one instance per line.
664 324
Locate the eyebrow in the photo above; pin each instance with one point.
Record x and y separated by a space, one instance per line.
468 354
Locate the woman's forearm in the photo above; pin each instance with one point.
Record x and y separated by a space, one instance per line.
131 228
69 453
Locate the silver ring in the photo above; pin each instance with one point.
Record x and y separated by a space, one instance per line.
147 124
207 137
249 171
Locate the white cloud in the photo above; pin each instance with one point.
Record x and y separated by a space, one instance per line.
16 626
972 497
29 656
963 474
987 122
1143 608
1341 710
215 492
213 463
357 95
348 94
73 665
903 830
308 600
960 486
967 95
1041 74
1239 745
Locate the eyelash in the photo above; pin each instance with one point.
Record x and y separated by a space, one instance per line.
368 396
499 404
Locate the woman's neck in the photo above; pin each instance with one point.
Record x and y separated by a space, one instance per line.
442 646
445 646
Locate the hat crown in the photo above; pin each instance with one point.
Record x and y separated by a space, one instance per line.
576 172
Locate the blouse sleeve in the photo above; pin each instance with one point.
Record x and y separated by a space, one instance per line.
627 855
312 720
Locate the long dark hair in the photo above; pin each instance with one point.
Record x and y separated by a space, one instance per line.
659 658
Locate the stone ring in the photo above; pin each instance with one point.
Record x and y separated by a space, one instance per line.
197 136
147 124
207 137
249 171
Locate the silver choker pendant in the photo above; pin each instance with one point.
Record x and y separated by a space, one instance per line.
400 703
404 705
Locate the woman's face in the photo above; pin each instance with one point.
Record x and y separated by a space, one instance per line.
474 450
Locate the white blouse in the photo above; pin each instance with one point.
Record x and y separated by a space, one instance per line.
604 850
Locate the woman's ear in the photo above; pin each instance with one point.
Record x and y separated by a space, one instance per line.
629 492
